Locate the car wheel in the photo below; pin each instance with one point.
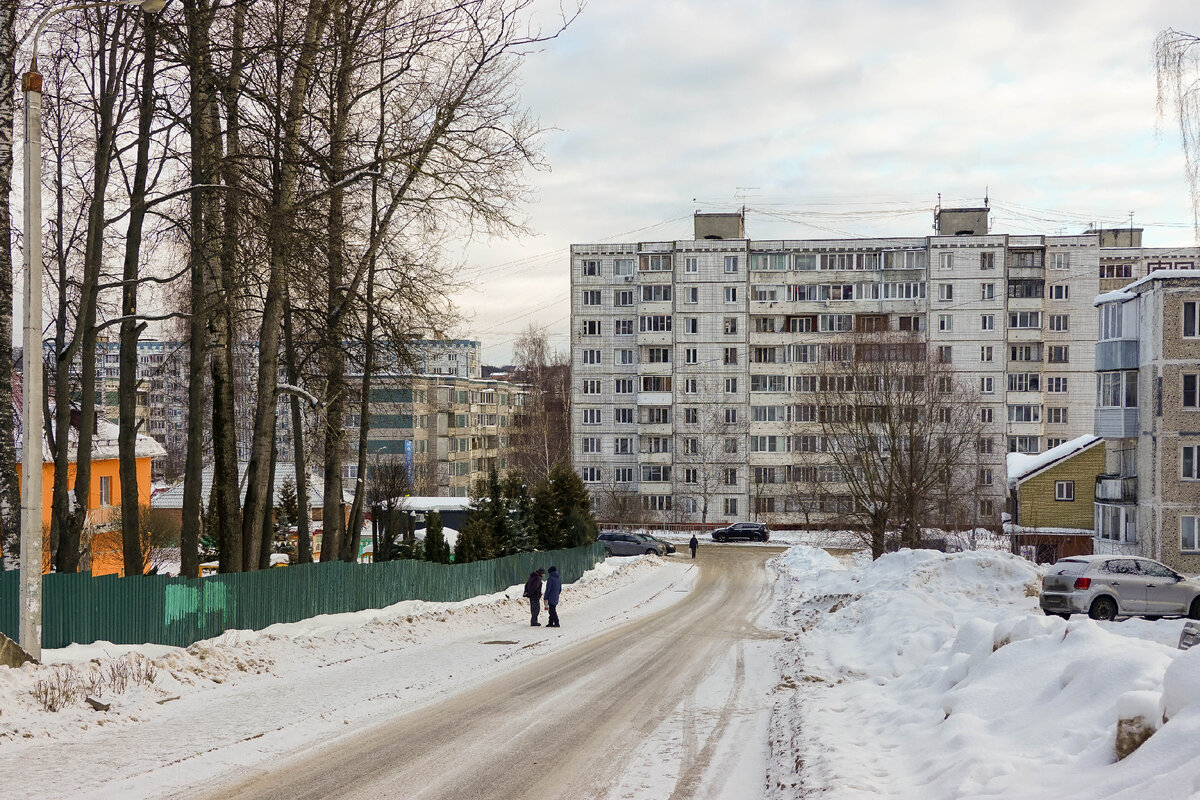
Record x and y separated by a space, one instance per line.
650 551
1103 608
763 538
607 552
1194 611
716 538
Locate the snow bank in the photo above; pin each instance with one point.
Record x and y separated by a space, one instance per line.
934 675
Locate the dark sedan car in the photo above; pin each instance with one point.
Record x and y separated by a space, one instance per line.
750 531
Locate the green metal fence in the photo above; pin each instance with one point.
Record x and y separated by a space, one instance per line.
178 611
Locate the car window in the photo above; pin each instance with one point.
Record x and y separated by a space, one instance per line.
1068 567
1121 566
1156 570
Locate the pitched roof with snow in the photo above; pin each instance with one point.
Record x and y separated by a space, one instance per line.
1023 466
284 471
1132 290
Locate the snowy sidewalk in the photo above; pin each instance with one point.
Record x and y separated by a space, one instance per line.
250 698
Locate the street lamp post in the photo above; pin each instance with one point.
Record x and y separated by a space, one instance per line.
30 624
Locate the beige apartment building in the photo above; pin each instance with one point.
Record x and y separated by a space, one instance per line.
1148 410
448 430
720 326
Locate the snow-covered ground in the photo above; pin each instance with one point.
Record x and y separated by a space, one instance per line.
925 675
920 675
180 717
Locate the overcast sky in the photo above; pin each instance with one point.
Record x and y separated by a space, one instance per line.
846 118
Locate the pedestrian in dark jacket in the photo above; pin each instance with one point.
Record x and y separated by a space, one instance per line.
533 590
553 589
694 543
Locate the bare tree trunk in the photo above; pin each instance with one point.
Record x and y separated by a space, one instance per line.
131 535
304 554
279 230
198 19
10 500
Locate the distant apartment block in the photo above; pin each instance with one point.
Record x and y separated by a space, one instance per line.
1148 410
666 333
449 431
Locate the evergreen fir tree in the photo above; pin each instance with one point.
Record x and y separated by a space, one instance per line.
436 549
522 525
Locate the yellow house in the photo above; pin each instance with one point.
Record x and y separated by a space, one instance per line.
104 495
1051 498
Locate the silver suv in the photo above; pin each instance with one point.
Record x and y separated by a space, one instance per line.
1104 587
628 544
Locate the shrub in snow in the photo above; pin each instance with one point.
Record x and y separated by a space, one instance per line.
1139 715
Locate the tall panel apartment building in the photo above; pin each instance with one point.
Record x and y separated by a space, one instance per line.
668 334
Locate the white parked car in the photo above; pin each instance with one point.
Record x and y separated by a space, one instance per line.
1104 587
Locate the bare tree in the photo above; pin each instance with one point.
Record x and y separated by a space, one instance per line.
710 442
1177 68
898 431
541 436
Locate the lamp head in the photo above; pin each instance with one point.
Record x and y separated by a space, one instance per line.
152 6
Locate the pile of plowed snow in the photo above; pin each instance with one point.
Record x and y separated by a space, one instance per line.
934 675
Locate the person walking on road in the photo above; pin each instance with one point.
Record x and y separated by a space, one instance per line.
694 543
533 590
553 589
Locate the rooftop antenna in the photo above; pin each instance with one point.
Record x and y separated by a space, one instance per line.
985 197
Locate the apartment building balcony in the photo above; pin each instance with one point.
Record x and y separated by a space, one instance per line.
655 368
1116 423
654 399
1116 354
655 458
655 338
1024 334
1120 489
655 429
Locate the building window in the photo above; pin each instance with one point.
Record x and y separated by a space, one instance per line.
690 355
624 386
731 506
1191 319
1191 462
106 490
656 293
1025 319
691 386
987 386
731 444
986 508
1024 413
730 385
1189 534
691 324
987 261
623 415
623 327
658 355
731 264
591 416
591 356
1060 260
985 353
730 294
945 322
1057 385
691 416
591 444
591 386
731 416
985 476
591 474
1023 444
656 502
1059 322
1056 416
944 353
691 264
729 476
731 356
655 383
984 446
591 269
946 260
1060 291
1191 391
945 291
623 267
622 298
655 323
987 322
730 325
591 297
985 415
591 327
1058 354
987 291
624 356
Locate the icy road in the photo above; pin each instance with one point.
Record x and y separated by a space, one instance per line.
657 707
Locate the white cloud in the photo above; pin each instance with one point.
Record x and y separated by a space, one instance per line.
847 106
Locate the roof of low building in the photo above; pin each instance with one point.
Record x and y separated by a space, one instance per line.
1023 466
284 471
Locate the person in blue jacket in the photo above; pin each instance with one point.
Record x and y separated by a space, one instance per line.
553 589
